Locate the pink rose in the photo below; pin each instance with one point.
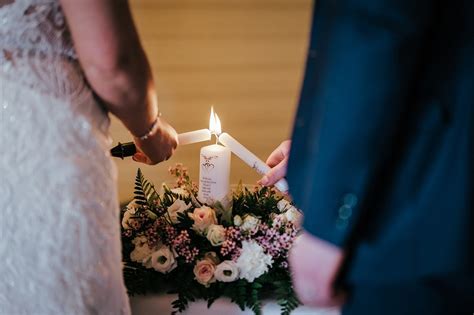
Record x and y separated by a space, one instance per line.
203 217
204 272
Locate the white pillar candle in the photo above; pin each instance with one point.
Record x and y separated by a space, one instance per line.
214 173
251 159
194 136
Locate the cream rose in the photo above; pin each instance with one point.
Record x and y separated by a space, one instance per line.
163 260
249 222
204 271
226 271
129 214
203 217
283 205
141 251
216 234
179 206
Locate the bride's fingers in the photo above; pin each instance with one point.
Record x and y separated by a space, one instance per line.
275 174
141 158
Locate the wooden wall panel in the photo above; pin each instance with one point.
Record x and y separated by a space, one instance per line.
245 57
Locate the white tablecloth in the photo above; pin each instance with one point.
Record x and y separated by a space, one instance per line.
161 305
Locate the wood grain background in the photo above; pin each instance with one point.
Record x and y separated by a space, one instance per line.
245 57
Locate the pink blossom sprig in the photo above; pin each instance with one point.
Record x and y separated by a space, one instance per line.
231 246
181 244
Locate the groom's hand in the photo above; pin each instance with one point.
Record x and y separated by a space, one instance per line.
278 161
315 264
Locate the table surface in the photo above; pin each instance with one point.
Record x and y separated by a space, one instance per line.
161 304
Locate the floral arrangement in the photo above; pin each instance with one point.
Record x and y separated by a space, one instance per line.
174 243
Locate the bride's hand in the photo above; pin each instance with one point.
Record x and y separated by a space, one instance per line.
159 146
278 161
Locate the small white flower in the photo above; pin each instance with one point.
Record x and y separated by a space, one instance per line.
179 206
216 234
249 222
253 262
180 191
163 260
237 220
294 215
226 271
141 251
129 213
284 205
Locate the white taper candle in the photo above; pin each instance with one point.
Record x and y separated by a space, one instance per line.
251 159
194 136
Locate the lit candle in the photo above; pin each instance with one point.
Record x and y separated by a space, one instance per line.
194 136
251 159
214 171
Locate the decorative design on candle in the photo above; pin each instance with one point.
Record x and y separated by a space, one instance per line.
207 162
250 159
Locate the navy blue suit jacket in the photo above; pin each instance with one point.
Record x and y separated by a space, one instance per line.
382 158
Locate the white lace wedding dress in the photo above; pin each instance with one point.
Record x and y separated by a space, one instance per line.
60 247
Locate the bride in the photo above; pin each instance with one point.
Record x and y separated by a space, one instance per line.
60 242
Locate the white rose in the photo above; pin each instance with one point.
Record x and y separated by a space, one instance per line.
141 251
179 206
180 191
226 271
129 213
216 234
163 260
237 220
203 217
249 222
253 262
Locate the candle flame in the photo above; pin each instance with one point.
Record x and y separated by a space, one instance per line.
215 123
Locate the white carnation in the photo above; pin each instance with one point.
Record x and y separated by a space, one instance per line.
253 262
249 222
226 271
142 251
179 206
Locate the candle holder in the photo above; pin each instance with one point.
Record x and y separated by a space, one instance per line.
123 150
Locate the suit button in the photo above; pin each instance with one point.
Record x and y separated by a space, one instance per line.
350 200
345 212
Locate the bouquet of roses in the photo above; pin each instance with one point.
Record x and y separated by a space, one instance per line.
174 243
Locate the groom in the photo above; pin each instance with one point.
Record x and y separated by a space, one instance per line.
382 158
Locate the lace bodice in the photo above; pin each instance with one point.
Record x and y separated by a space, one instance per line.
36 47
34 27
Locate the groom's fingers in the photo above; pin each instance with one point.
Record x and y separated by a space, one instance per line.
276 157
275 174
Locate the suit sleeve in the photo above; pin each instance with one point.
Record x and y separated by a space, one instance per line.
364 60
